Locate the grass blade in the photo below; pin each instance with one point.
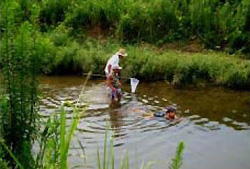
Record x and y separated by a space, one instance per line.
11 154
63 156
98 159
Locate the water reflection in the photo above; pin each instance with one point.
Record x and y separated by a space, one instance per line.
116 116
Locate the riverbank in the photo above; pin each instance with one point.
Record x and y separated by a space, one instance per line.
149 63
55 37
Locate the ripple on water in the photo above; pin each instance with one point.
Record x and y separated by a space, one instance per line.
193 117
200 121
212 125
132 121
240 125
135 113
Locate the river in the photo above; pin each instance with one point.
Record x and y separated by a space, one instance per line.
215 126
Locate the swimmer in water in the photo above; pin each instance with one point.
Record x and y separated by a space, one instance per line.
171 114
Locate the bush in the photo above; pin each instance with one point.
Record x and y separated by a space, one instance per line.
146 64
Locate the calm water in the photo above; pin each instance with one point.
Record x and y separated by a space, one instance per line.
215 128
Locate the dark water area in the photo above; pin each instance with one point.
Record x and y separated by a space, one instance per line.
215 126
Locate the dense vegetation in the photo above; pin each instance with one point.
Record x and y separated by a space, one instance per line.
145 63
75 36
219 24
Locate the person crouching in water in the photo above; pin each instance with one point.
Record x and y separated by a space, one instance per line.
114 84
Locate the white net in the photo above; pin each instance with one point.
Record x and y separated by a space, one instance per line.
133 82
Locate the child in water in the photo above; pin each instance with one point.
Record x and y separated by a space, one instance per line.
170 114
114 84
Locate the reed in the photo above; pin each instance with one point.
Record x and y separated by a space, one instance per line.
178 159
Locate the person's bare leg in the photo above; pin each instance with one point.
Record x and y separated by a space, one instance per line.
118 98
119 95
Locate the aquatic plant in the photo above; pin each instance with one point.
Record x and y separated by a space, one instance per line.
177 160
107 160
55 138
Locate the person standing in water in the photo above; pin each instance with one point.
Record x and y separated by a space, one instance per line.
114 84
114 60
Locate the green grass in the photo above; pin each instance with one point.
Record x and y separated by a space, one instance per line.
107 160
58 31
177 161
48 156
215 23
218 24
149 63
12 155
54 142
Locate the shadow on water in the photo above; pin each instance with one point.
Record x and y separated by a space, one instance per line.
207 112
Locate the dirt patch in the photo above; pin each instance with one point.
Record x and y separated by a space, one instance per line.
191 46
96 32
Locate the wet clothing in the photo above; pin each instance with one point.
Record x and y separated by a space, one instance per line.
116 84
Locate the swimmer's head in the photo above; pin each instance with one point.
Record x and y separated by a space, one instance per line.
171 115
170 109
171 112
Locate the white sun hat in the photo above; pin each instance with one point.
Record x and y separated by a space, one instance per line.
122 52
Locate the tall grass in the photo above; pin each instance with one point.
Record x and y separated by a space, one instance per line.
218 24
146 63
21 50
64 47
19 58
107 160
54 142
178 159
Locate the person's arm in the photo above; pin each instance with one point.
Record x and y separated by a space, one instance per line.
167 116
109 68
110 84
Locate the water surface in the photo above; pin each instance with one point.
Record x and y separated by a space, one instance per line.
215 126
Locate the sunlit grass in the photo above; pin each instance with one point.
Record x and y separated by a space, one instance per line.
149 63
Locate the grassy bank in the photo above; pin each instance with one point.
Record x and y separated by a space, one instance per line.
149 63
221 25
57 35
